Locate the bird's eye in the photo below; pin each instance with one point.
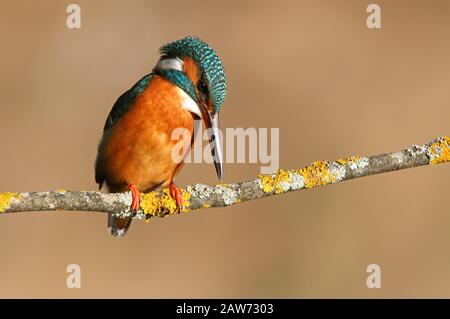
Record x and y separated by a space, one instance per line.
202 87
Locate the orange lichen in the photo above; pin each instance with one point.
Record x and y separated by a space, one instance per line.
352 159
274 182
153 204
317 174
6 199
440 151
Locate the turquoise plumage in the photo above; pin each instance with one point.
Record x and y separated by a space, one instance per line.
208 60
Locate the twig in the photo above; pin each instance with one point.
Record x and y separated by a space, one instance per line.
199 196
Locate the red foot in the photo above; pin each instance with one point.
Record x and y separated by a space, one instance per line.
175 193
136 197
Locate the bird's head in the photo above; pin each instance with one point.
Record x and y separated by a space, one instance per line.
196 68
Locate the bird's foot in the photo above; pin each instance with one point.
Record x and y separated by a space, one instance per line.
175 193
136 198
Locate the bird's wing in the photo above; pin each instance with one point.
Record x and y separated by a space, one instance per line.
124 102
122 105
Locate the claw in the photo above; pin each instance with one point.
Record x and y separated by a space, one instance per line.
175 193
136 198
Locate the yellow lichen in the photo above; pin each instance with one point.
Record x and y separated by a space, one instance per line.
440 149
352 159
6 199
267 183
186 196
317 174
161 205
274 182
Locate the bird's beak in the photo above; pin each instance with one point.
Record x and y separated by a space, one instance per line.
211 121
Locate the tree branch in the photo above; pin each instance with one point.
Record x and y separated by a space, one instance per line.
319 173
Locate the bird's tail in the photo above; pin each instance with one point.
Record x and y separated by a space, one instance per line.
118 227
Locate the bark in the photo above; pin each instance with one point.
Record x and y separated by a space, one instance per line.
319 173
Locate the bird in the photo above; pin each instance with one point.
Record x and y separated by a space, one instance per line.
188 83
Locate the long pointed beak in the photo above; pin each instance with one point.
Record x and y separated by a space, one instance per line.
212 126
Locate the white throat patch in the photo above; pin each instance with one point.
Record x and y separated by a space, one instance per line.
187 102
170 64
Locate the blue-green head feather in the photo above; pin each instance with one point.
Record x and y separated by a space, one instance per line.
209 63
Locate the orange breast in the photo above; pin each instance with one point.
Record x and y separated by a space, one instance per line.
139 147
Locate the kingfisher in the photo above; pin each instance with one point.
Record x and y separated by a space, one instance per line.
187 84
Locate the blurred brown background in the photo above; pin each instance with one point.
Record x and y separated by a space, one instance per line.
311 68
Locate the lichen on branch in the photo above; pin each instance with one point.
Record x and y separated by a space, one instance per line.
199 196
